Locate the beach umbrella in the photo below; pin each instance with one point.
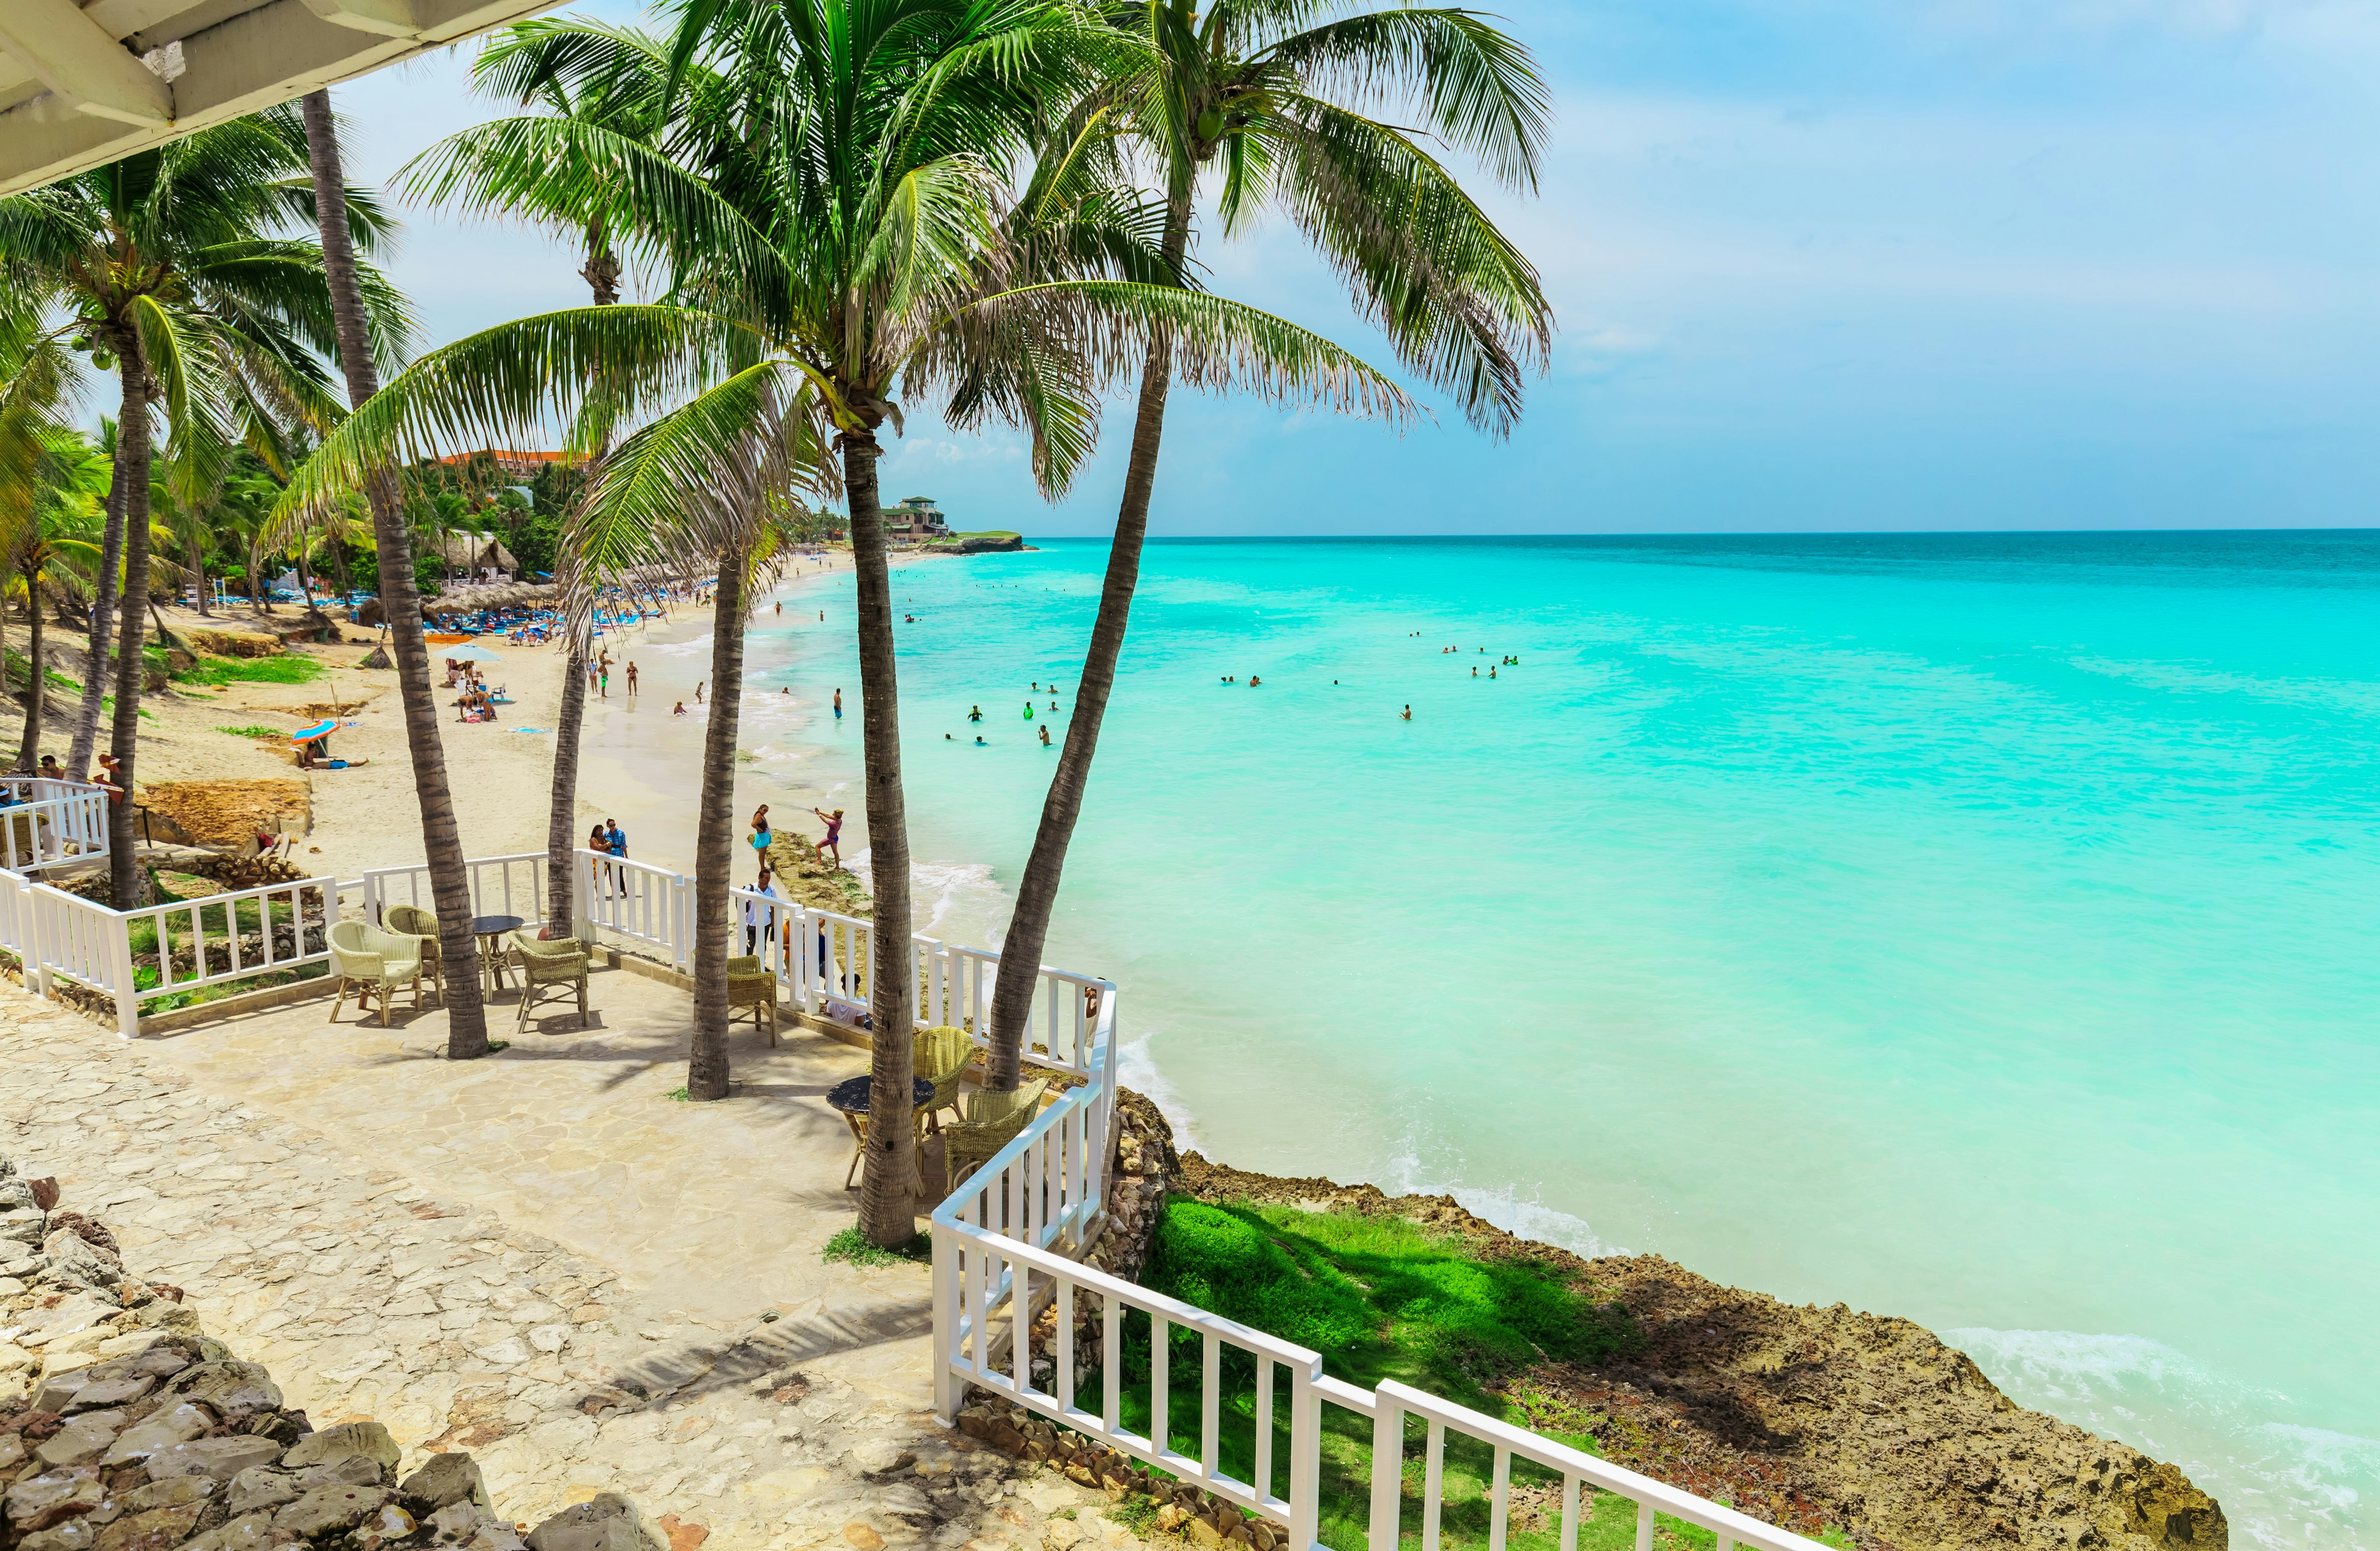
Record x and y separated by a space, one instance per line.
322 729
472 653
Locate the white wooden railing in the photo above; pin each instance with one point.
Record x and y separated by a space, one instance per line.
57 936
48 821
1006 1241
1005 1244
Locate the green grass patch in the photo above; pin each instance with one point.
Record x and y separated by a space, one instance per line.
1379 1298
679 1096
215 672
255 731
852 1247
20 670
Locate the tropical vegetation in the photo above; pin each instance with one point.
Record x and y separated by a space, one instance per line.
830 208
179 274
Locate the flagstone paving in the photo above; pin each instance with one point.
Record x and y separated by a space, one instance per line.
538 1257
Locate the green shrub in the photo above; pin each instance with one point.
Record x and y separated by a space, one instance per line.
854 1247
255 731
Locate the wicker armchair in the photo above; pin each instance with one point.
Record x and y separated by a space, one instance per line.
749 984
411 920
992 1122
551 971
941 1056
372 963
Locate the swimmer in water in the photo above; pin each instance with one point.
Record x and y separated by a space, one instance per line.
1408 713
1045 737
974 713
1254 681
838 702
1028 711
1053 704
979 743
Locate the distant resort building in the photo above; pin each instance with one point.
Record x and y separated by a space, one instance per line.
915 519
509 462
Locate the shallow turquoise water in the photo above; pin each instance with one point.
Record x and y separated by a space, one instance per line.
1976 928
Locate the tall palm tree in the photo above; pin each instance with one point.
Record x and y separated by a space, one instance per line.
49 482
830 213
1284 100
175 268
595 74
442 842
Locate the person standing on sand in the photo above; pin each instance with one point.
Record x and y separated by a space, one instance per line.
632 678
697 690
833 844
601 846
605 681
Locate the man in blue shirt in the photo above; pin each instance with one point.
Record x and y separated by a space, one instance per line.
615 838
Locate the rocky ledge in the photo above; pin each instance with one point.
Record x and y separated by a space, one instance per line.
1806 1416
126 1428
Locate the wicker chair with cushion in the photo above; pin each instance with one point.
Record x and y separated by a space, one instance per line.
992 1122
549 971
941 1056
372 963
749 984
411 920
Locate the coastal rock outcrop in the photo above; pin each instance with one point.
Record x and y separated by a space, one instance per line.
125 1427
1806 1416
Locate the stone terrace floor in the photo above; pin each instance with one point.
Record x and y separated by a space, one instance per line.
538 1257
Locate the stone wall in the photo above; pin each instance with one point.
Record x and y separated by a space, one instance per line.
125 1427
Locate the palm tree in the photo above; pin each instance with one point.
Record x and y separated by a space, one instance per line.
1283 101
49 482
172 263
450 890
829 208
594 74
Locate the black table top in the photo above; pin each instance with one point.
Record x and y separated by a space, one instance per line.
489 925
850 1095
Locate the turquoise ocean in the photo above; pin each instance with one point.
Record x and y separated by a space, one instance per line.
1978 928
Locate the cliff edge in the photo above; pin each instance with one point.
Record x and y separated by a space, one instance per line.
1807 1416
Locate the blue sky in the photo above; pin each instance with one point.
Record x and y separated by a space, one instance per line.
1816 265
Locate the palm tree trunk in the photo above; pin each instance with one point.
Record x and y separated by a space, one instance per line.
714 835
561 816
1037 890
887 1214
467 1020
132 454
29 754
199 566
103 629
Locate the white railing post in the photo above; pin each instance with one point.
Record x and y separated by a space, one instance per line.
1388 1473
945 1335
1304 1457
35 954
119 969
682 921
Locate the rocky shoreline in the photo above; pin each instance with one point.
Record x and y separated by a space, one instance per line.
1809 1417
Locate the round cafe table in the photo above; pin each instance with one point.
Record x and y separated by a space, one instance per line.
487 929
849 1100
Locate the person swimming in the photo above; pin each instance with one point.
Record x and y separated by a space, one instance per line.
1028 711
979 743
1254 681
1408 713
1045 737
1053 704
974 713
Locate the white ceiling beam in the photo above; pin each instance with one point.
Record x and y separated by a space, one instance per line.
389 18
74 57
